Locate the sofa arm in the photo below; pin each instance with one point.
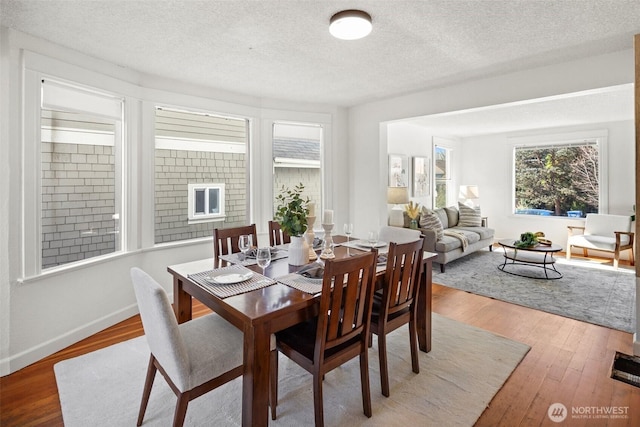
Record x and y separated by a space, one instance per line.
430 239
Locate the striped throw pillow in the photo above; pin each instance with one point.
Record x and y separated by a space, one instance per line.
429 220
469 217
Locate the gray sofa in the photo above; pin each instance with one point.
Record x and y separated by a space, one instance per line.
450 247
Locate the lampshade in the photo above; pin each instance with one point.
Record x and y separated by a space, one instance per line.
350 25
468 192
397 195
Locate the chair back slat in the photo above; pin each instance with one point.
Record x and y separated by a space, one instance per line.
225 240
345 304
402 277
276 235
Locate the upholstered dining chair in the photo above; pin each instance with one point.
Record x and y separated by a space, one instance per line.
398 234
339 333
396 303
225 240
276 235
194 357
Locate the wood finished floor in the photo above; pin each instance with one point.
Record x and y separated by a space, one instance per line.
569 362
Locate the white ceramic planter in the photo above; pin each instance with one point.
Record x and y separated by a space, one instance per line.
298 251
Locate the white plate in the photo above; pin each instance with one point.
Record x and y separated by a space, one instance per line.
369 245
229 278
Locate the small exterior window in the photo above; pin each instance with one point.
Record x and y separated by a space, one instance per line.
206 202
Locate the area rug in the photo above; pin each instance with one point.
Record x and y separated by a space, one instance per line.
458 378
592 293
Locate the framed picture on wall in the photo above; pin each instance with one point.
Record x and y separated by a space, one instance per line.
398 170
420 177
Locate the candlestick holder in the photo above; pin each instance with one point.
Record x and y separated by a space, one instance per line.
309 235
327 248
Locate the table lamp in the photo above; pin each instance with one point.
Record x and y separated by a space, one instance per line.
397 196
469 195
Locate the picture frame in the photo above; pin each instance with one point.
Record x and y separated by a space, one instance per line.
398 170
421 176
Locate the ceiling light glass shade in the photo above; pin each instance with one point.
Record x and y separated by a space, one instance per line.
350 25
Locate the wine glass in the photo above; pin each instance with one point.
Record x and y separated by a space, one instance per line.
373 238
263 258
348 230
244 243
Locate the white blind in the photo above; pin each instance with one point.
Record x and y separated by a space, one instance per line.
61 97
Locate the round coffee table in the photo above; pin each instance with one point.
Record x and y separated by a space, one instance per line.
539 256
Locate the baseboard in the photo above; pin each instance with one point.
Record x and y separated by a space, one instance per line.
18 361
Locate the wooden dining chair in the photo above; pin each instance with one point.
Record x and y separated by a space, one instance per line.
194 357
397 302
339 333
276 235
225 240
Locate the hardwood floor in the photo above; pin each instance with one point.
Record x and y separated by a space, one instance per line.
569 363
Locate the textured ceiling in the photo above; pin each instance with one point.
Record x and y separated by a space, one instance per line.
282 48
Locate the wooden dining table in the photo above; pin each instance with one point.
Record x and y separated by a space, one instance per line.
261 312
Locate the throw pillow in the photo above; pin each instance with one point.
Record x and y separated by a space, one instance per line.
429 220
469 217
452 215
444 219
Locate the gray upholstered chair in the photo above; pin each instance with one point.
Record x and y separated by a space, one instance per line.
194 357
398 234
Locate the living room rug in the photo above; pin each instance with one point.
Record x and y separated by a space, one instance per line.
458 378
589 292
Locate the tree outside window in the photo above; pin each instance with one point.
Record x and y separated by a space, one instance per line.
557 180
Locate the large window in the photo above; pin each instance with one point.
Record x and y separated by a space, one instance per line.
559 179
81 190
201 171
297 159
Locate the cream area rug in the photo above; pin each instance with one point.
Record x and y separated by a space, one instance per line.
457 380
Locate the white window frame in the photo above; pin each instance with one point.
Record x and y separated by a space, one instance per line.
598 136
195 217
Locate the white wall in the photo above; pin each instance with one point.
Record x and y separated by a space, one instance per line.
487 161
368 136
45 313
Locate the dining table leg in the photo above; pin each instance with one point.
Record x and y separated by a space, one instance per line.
255 377
181 301
424 308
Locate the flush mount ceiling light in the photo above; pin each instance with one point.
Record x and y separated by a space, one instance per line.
350 25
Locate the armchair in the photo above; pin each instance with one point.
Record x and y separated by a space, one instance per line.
608 233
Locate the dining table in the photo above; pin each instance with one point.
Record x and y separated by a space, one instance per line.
271 307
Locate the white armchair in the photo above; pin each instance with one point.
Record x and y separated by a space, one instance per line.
608 233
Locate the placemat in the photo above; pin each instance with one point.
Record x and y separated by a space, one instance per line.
258 281
301 283
235 258
355 244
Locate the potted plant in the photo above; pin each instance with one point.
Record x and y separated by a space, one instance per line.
413 212
291 214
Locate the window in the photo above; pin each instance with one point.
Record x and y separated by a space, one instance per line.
297 159
558 179
443 176
201 173
81 192
206 202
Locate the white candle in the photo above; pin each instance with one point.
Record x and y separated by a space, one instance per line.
328 217
312 209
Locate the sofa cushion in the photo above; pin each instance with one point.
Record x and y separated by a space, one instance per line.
449 243
430 220
452 216
469 217
484 232
444 218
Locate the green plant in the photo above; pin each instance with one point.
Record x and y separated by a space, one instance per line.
292 211
526 240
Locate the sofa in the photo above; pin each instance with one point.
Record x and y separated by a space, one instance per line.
453 232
